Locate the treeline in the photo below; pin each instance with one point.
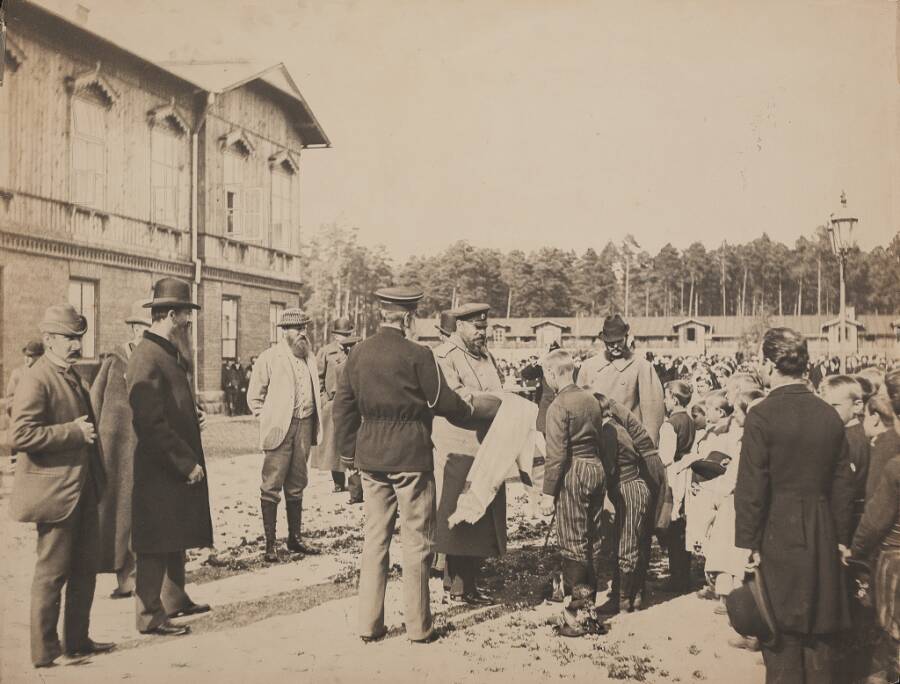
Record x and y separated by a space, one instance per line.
754 278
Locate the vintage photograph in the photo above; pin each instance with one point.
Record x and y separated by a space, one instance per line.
445 341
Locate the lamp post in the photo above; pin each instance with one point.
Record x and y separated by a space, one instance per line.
840 228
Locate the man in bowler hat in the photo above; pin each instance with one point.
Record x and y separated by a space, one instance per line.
59 481
170 503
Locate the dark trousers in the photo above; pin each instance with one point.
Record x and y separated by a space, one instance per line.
460 574
67 553
679 556
800 659
159 588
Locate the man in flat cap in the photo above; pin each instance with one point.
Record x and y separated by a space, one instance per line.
59 480
109 397
170 502
329 359
387 397
470 370
284 395
620 375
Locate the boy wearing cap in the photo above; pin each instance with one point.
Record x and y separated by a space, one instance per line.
59 480
284 395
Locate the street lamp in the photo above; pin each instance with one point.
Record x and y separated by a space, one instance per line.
840 228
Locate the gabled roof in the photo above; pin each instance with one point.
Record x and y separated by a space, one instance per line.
835 321
547 321
691 319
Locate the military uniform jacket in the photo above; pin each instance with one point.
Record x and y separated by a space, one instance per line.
793 503
329 359
388 394
467 374
57 462
168 514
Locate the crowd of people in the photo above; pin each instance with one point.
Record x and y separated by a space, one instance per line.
772 482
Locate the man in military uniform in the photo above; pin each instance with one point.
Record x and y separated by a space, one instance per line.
329 359
470 370
387 396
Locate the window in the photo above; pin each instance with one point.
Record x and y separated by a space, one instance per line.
499 335
229 327
282 209
275 333
82 295
88 152
243 205
691 334
164 175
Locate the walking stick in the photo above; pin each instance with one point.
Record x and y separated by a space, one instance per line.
549 530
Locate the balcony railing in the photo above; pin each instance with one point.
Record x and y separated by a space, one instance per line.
224 252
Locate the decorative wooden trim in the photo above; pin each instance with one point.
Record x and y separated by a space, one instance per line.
238 138
93 79
227 275
169 112
58 249
14 52
286 160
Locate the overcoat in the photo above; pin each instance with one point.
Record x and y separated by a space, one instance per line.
330 361
793 503
168 514
109 397
57 463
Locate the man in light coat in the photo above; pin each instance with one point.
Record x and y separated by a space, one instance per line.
59 480
284 395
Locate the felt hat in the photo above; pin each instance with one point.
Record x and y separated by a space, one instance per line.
447 324
750 612
139 313
399 298
614 329
34 348
293 318
350 341
715 464
171 292
342 326
63 319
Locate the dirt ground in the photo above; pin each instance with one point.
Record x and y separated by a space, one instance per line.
298 616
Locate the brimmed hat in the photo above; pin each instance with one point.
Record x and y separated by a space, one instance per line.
342 326
171 292
447 323
400 298
750 612
293 318
715 464
139 313
34 348
350 341
614 328
63 319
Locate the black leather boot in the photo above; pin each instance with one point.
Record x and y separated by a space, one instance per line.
611 607
269 517
295 522
626 592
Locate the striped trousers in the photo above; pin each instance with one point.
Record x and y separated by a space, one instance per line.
578 510
631 521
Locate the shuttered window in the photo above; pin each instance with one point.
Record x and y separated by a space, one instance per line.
164 175
88 152
282 209
229 327
275 333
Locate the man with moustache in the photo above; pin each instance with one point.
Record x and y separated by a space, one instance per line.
170 499
284 395
59 481
470 370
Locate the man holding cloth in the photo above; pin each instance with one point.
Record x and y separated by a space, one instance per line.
170 504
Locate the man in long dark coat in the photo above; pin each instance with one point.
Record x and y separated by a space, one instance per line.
170 505
793 506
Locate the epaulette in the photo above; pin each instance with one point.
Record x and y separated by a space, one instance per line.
443 349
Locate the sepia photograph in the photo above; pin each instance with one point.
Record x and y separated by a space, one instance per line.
450 341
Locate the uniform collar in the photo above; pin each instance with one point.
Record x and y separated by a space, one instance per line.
457 342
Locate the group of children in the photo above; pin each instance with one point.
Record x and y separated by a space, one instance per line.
596 449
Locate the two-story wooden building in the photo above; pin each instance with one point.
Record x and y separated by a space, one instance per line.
116 170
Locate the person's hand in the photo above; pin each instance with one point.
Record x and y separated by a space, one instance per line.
201 419
845 553
87 429
196 475
753 563
548 504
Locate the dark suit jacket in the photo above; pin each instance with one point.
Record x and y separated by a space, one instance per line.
168 514
387 396
57 463
793 503
574 427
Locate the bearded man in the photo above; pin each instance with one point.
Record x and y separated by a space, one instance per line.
284 395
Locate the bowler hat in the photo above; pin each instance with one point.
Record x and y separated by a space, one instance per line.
350 340
171 292
138 313
750 612
403 298
342 326
447 323
293 318
614 328
712 466
34 348
63 319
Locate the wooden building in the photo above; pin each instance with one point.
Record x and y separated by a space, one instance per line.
116 170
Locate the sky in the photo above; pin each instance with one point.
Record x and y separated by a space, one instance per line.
568 123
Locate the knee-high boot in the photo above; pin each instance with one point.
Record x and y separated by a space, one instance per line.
269 518
295 521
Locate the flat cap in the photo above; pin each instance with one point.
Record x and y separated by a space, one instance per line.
293 318
399 297
474 312
63 319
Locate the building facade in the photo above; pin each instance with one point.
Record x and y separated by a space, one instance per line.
116 170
